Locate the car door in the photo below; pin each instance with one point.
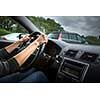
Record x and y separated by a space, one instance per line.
4 43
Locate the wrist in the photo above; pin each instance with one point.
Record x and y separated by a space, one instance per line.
19 42
39 41
36 42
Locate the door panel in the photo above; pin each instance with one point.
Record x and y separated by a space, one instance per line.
4 43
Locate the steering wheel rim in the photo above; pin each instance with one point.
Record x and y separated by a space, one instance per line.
40 48
37 55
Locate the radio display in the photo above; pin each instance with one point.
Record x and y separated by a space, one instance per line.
73 69
71 72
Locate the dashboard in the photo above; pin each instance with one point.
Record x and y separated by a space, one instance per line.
74 62
52 49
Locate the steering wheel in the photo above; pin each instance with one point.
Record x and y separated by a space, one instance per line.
39 51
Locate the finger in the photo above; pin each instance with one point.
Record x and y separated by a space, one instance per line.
42 33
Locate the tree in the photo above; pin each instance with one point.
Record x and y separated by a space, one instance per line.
48 24
93 40
9 24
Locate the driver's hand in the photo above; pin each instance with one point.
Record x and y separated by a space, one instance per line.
42 39
25 39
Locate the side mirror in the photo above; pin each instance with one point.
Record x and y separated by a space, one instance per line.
20 36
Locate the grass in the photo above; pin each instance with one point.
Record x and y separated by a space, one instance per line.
94 42
4 32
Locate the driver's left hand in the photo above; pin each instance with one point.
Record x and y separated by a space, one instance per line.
25 38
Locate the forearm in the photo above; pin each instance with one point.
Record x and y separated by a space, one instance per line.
25 54
13 46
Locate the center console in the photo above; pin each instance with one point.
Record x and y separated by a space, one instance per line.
71 70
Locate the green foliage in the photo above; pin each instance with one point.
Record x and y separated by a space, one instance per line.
93 40
48 25
9 24
45 25
4 32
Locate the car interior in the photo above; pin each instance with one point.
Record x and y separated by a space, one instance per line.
61 62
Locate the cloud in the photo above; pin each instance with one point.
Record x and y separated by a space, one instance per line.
85 25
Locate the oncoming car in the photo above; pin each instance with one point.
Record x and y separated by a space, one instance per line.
67 37
62 62
13 36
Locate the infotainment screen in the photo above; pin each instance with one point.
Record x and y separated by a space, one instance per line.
71 71
73 68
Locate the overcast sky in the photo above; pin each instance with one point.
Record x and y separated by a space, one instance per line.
84 25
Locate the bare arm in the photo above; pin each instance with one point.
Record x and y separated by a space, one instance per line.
12 64
24 55
13 46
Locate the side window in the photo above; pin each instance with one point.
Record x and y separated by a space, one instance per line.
65 36
53 36
79 38
72 36
9 29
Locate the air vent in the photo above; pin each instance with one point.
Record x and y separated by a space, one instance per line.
90 57
71 53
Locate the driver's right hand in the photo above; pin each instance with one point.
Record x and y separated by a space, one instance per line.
42 39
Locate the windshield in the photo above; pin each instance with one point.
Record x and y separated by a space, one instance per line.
72 29
87 28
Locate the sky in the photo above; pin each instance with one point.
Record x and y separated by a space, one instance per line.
84 25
